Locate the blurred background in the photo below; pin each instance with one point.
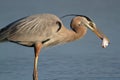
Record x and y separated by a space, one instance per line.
84 59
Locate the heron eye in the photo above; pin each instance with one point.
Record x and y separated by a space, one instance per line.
92 24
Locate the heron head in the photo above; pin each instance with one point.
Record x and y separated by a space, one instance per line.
87 22
92 26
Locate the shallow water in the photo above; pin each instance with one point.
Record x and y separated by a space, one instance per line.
80 60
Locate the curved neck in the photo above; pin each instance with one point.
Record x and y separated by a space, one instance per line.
75 33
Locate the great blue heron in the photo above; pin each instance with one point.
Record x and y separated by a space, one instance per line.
44 30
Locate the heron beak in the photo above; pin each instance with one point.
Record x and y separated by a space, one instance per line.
105 40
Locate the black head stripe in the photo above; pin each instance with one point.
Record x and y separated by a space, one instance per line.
76 15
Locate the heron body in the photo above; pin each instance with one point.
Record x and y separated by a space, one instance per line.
43 30
31 29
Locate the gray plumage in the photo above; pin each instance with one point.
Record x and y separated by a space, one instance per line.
28 30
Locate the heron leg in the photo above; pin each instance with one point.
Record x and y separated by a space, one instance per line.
37 49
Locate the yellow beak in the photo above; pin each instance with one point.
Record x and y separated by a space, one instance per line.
105 40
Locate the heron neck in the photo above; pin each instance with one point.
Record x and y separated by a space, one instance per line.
76 33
